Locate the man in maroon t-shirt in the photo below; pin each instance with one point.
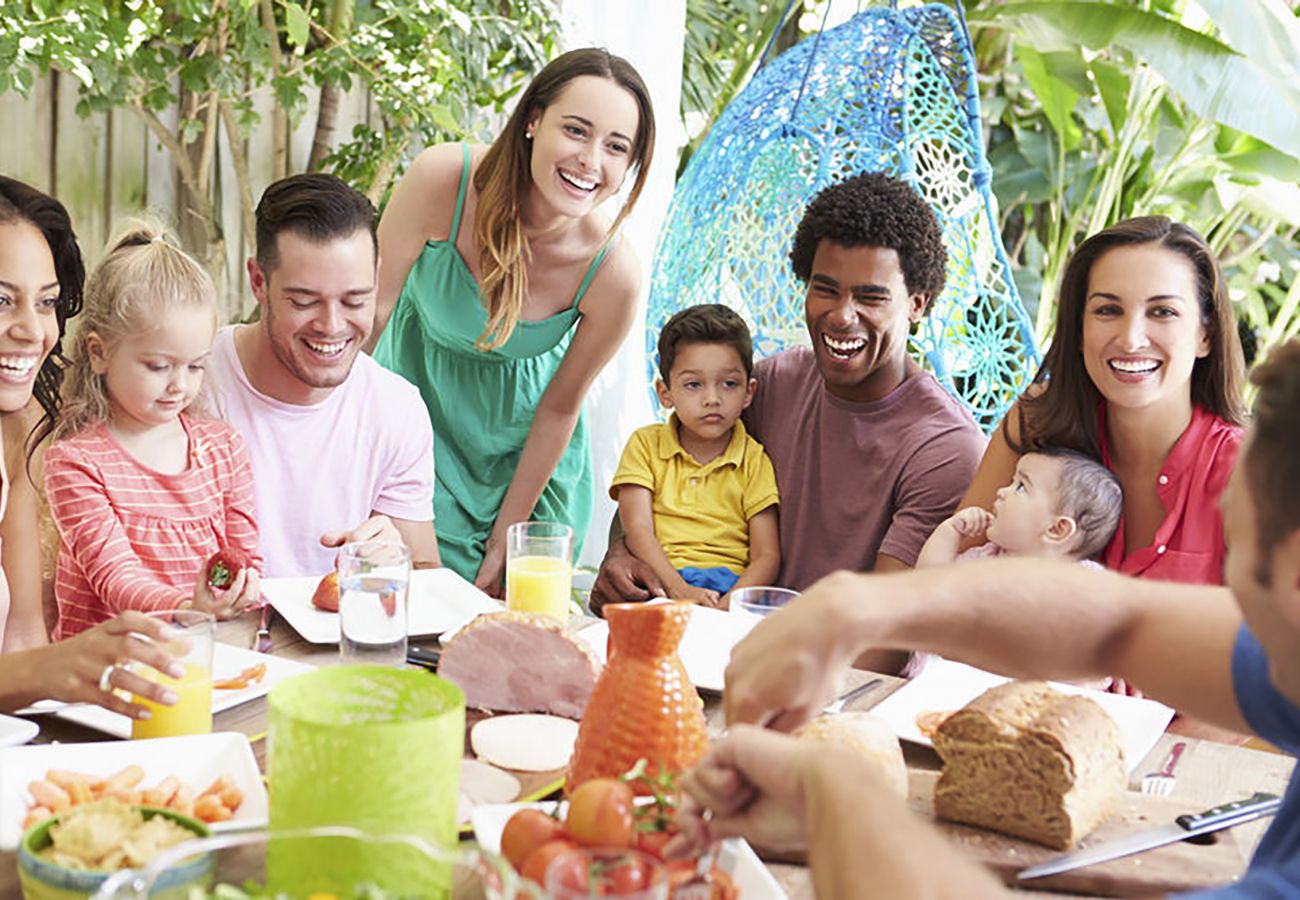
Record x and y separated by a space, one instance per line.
870 452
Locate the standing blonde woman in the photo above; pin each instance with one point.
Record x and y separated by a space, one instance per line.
502 294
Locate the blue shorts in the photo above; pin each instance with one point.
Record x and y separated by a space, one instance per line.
719 578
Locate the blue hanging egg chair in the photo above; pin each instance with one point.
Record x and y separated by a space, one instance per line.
890 90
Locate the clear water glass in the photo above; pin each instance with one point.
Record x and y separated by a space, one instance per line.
374 581
760 601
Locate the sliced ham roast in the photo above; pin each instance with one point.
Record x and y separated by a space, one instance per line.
520 662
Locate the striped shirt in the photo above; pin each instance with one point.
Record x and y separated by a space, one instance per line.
134 538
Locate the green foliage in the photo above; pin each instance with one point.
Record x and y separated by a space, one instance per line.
436 69
722 47
1101 111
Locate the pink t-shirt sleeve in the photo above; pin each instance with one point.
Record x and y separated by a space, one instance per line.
90 529
407 489
927 490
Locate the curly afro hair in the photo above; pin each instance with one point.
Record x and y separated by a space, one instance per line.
875 210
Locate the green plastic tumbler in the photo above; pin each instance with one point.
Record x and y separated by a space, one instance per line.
375 748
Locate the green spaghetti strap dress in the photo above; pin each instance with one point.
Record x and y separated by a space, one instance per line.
482 402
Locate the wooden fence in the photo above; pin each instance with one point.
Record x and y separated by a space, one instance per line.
107 168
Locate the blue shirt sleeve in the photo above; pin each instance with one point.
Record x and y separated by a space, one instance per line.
1274 873
1271 715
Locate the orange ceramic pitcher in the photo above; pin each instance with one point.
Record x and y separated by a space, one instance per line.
644 705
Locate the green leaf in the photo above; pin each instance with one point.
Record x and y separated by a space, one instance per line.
296 23
1213 79
443 118
1113 85
1057 97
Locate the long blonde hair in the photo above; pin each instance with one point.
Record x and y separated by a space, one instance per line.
143 274
505 174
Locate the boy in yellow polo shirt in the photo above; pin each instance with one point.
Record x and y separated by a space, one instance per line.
697 495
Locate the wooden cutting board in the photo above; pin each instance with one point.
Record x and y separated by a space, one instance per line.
1172 868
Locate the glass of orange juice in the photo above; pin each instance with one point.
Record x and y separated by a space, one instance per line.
539 568
192 646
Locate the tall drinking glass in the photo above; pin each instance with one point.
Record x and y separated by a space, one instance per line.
192 646
374 579
539 568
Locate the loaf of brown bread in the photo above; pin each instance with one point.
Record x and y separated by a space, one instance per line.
1029 761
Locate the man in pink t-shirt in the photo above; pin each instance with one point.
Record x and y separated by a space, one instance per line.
870 452
342 449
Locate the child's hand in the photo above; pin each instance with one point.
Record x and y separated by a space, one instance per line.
244 593
702 596
972 521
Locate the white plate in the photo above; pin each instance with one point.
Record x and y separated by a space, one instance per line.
16 731
736 857
944 685
706 646
227 662
198 760
439 600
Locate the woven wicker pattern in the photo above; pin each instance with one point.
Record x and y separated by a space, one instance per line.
889 90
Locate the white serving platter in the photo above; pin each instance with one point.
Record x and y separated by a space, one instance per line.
197 760
16 731
439 600
945 686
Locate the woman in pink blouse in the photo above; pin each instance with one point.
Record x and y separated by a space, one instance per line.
1145 373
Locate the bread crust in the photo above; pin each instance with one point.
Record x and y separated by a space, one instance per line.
1027 760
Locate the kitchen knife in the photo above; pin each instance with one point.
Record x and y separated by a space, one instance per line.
1182 828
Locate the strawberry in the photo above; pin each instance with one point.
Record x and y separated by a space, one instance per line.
224 565
327 593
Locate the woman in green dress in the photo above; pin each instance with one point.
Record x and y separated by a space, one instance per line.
503 292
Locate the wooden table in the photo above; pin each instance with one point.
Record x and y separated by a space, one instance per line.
1208 773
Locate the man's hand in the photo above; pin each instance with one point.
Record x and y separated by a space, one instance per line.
376 528
623 579
751 783
789 666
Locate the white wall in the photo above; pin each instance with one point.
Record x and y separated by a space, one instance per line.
648 35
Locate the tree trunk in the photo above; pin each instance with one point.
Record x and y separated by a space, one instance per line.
279 120
339 24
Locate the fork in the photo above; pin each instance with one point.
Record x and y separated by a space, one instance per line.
262 640
1161 783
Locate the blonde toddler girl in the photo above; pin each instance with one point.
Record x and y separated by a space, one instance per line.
142 489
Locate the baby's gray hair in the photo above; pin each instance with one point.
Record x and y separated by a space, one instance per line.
1089 493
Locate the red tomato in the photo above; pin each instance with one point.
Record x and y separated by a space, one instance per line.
653 842
527 830
600 813
624 876
535 865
